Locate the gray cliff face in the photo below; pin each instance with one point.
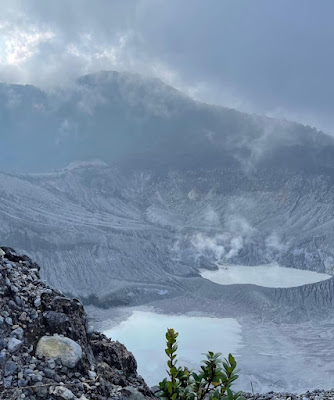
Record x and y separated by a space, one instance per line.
44 341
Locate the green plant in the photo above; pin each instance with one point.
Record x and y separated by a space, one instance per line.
213 381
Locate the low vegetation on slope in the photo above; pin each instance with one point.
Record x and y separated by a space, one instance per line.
213 381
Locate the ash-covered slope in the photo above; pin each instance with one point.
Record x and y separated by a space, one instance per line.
115 237
46 350
190 184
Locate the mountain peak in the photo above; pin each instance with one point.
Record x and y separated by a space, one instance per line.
84 164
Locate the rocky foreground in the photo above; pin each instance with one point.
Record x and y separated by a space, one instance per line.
46 349
48 352
315 395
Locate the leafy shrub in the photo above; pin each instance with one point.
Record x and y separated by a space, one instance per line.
213 381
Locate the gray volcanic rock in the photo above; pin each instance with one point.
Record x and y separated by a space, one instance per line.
13 344
56 322
35 364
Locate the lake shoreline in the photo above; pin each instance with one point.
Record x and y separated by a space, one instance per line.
266 275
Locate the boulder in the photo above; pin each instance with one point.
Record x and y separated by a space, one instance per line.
66 349
13 344
114 353
17 333
10 368
56 322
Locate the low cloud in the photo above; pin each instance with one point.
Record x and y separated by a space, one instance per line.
198 49
224 246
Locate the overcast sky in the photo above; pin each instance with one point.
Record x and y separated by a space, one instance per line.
273 57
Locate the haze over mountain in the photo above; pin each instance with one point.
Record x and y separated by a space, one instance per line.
177 183
125 117
123 188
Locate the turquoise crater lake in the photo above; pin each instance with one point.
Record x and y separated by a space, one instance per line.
144 335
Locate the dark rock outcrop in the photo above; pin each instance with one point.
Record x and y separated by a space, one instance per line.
29 311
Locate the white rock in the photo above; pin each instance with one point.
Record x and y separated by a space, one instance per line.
37 302
62 392
92 375
66 349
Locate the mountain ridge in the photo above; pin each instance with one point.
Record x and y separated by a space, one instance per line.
139 118
179 171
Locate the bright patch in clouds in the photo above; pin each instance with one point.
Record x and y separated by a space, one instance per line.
200 50
18 45
89 49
